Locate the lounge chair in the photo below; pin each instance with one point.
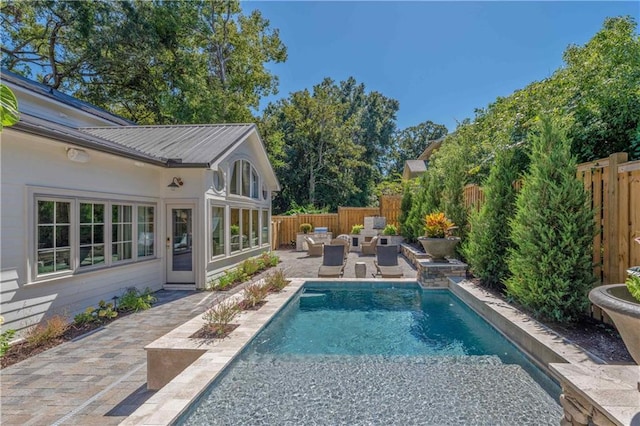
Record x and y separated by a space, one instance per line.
332 262
315 249
387 262
343 242
369 247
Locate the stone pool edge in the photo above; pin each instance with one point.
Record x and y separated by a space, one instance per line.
593 392
172 400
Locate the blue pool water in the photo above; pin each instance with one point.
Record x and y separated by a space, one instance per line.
372 354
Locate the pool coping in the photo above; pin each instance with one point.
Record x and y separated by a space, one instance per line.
169 403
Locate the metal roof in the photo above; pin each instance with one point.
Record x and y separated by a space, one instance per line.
38 126
49 92
184 145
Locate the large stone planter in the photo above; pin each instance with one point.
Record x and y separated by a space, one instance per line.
439 248
624 310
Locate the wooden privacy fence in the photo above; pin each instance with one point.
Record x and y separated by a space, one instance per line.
285 228
614 186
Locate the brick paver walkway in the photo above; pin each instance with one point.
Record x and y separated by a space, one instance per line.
101 378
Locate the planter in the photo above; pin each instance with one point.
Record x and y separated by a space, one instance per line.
624 310
439 248
355 242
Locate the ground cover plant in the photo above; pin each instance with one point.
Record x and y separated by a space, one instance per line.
58 329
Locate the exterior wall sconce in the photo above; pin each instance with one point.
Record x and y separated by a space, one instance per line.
77 155
175 183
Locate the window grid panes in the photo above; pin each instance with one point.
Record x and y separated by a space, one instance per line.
246 178
91 234
265 226
146 231
217 231
235 176
235 230
53 236
254 184
121 232
254 228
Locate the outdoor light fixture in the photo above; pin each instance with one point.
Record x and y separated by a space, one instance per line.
175 183
77 155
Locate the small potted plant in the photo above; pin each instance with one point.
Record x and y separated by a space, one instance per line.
390 236
305 228
438 242
356 229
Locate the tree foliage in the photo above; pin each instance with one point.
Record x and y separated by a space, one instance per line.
488 240
329 141
154 62
552 232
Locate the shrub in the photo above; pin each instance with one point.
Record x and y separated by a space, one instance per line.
633 284
85 317
488 240
134 300
552 233
249 267
390 230
276 280
355 229
437 225
254 293
5 338
52 328
220 315
305 228
405 208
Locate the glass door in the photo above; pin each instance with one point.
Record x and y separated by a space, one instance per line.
180 245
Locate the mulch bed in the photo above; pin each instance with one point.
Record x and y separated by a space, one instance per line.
215 332
24 350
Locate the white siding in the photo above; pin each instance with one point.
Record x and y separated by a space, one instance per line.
32 165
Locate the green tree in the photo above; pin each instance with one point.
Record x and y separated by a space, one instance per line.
552 232
409 143
488 240
154 62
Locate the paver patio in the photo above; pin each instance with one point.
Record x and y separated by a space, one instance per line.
101 378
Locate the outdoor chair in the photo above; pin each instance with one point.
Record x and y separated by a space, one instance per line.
369 247
387 262
315 249
332 262
345 243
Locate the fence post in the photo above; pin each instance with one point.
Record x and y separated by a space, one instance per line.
612 209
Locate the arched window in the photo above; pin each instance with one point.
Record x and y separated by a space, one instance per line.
244 180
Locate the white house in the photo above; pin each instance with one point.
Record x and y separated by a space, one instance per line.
93 204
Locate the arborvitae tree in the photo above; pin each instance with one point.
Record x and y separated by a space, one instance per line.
488 241
552 232
425 200
405 208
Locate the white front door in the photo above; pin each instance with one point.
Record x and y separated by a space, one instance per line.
180 255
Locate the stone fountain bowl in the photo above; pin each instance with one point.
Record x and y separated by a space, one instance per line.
624 310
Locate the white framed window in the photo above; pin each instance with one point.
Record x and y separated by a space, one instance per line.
121 232
244 180
217 231
265 227
91 234
75 234
53 235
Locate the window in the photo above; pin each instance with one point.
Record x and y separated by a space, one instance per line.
245 228
91 234
254 228
217 231
265 226
53 236
146 232
244 180
74 234
121 232
235 230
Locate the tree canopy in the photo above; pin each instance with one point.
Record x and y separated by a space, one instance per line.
154 62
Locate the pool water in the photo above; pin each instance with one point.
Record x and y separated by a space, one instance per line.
372 354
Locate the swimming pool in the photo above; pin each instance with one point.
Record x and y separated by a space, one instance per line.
365 353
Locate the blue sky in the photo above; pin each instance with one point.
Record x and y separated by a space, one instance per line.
440 60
